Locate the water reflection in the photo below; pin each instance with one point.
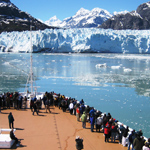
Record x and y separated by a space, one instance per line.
120 70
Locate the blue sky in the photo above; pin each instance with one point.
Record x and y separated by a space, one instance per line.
45 9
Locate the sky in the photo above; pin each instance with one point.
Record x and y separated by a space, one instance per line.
45 9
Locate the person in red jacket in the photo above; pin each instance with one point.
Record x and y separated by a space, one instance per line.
106 132
114 132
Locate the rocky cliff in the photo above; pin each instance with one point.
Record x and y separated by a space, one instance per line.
135 20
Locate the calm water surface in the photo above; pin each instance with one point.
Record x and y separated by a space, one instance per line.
115 83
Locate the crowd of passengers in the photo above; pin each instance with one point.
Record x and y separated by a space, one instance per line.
15 100
100 122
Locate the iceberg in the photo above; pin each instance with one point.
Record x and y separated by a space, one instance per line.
81 40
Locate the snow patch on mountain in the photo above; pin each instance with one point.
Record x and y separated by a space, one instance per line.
54 21
148 4
121 12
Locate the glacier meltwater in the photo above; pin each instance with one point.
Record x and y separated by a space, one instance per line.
77 40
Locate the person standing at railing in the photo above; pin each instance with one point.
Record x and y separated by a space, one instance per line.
92 121
71 107
131 139
121 131
78 113
138 142
106 133
124 137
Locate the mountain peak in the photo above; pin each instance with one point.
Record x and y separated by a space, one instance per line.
54 17
97 9
101 12
53 21
82 11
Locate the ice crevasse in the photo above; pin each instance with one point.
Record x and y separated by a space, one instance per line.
77 40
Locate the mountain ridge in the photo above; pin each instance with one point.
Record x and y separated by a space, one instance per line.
84 18
13 19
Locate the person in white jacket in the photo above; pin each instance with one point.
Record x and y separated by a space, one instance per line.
71 107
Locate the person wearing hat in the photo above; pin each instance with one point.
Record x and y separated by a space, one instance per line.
79 143
146 146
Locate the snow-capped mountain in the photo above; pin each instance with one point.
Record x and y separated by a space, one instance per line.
84 18
54 21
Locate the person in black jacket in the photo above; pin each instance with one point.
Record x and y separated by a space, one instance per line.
35 108
12 136
79 143
11 120
132 136
121 131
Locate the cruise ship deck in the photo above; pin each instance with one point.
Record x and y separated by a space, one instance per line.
56 131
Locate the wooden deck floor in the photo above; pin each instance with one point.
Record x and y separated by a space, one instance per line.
55 131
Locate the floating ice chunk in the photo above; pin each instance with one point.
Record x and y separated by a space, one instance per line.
127 70
6 63
115 67
96 89
16 60
101 65
117 100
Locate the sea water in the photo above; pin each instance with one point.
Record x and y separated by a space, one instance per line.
115 83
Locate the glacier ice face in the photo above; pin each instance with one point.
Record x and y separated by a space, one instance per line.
77 40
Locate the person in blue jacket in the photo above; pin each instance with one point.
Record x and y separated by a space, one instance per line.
92 121
92 112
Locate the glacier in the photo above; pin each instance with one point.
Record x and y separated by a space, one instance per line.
78 40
